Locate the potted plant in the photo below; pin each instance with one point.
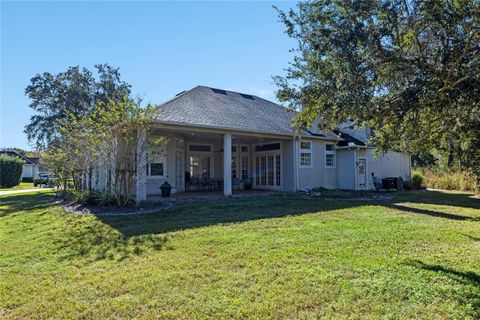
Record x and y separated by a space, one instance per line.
247 183
166 189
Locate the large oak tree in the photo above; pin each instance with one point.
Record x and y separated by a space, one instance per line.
408 69
74 92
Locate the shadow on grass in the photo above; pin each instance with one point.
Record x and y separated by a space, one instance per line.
470 237
432 213
117 237
463 200
207 213
24 202
468 279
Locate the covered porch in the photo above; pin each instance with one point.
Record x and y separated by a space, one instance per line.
212 163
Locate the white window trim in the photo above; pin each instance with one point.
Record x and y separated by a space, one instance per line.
252 164
162 159
334 153
149 169
309 151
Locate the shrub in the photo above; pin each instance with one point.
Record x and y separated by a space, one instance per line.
417 180
450 179
103 198
10 171
407 185
80 197
27 179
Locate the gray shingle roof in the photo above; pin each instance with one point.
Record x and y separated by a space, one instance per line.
216 108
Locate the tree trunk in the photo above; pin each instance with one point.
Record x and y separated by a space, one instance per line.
90 175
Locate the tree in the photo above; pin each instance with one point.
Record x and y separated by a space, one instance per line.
107 140
408 69
118 125
11 168
74 92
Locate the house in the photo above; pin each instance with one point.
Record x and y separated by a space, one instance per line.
358 165
31 167
219 139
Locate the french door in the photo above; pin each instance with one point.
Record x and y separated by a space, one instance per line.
268 171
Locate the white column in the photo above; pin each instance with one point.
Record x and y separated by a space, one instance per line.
227 164
141 179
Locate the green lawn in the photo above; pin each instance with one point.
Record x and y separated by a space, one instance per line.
278 257
22 185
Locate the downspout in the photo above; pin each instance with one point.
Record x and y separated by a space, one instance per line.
295 164
354 169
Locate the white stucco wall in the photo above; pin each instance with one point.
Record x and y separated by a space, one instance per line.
317 175
154 183
288 183
346 169
30 170
390 164
27 170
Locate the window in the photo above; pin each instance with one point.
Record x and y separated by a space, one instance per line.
200 166
330 156
156 169
267 147
200 147
244 167
234 166
305 154
277 169
257 171
270 171
305 145
156 160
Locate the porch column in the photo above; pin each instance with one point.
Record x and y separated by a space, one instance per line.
227 164
141 181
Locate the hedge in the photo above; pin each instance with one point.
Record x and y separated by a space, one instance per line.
10 171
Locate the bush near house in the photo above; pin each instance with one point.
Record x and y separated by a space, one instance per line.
10 171
417 180
448 179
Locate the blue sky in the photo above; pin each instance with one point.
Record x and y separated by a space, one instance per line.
161 48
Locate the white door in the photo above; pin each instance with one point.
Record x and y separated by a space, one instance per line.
362 173
179 171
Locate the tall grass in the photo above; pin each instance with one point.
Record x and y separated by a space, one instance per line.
448 180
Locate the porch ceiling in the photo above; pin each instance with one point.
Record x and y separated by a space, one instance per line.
199 136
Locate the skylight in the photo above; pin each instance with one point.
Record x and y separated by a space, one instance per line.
219 91
247 96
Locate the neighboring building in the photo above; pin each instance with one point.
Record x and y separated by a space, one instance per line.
32 166
217 139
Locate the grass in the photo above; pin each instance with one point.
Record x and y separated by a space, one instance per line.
21 186
269 258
